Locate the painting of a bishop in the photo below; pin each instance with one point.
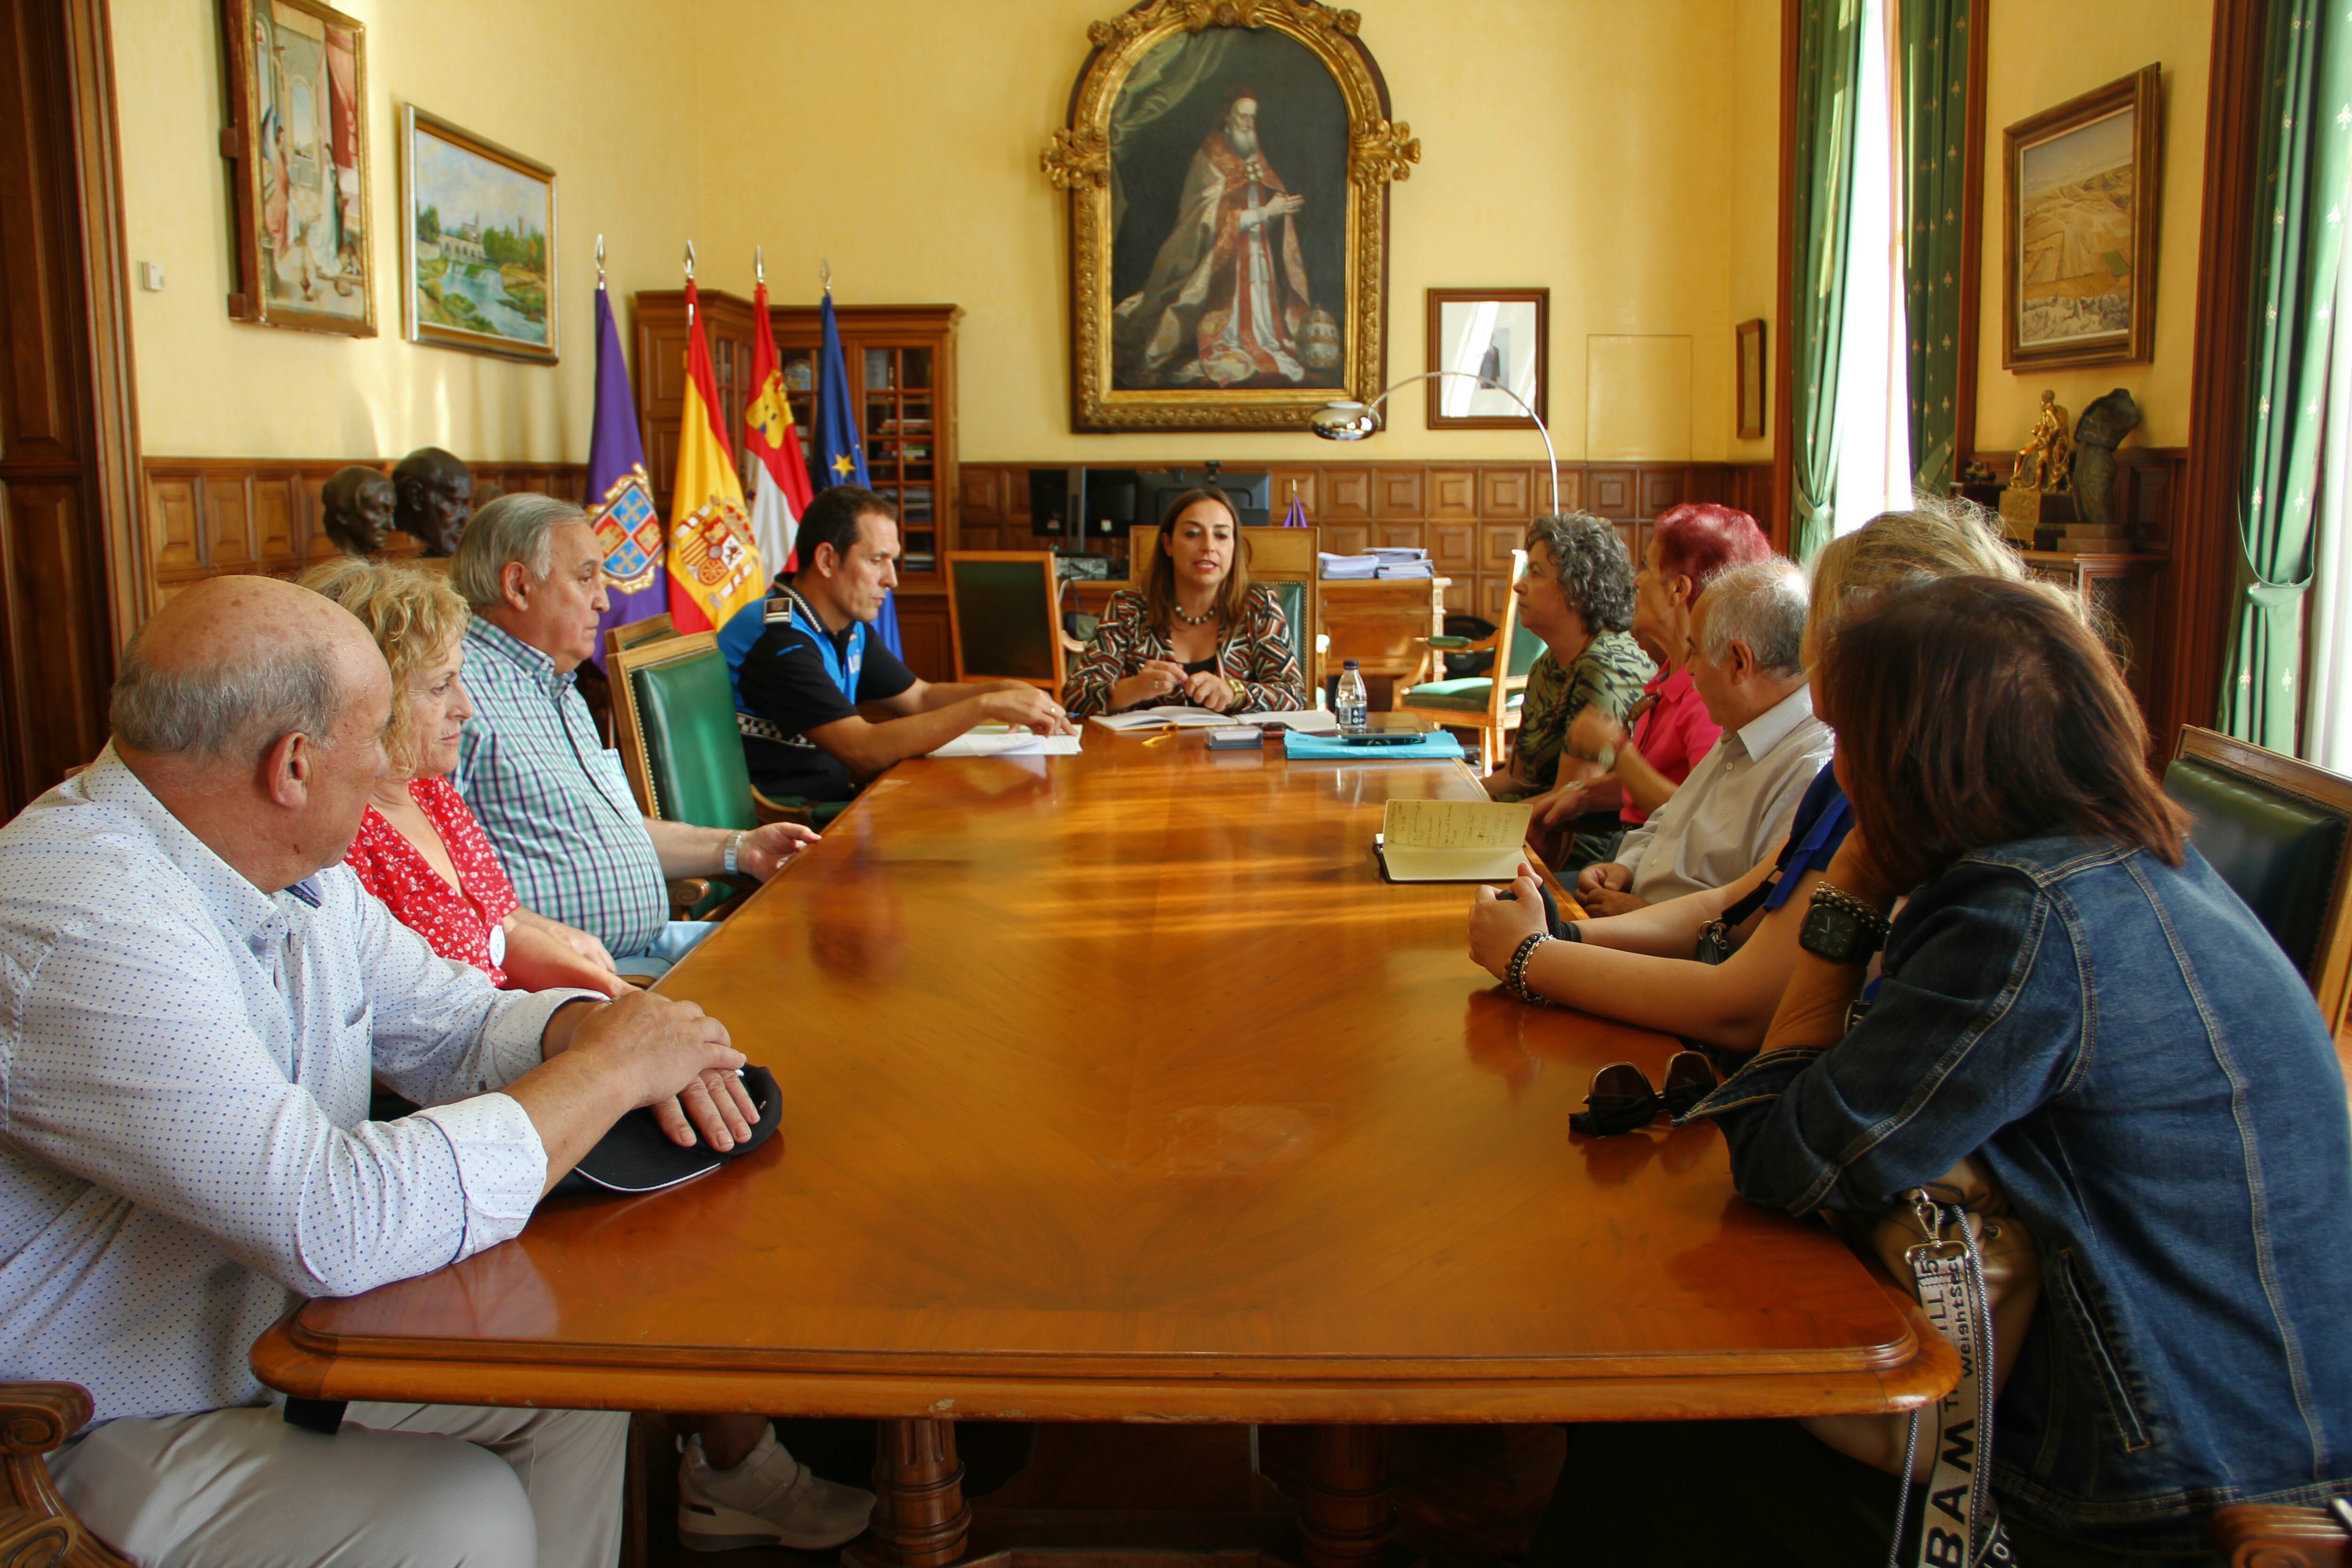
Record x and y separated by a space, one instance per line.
1227 303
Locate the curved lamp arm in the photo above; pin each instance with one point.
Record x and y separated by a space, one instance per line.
1352 421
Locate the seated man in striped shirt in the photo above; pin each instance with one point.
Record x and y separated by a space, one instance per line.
195 993
534 772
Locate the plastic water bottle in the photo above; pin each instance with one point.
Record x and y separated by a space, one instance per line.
1353 705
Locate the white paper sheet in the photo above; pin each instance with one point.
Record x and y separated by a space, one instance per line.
1020 742
1158 718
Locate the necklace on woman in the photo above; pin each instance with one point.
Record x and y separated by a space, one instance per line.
1194 620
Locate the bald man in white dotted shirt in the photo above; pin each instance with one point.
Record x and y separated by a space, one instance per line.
195 993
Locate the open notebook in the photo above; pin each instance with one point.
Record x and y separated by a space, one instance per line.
1453 840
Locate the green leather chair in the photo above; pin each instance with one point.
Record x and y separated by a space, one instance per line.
674 709
2276 830
1297 600
1487 703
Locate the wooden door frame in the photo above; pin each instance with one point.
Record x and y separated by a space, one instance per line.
70 399
2195 592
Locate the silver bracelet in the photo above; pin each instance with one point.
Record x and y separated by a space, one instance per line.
734 843
1516 978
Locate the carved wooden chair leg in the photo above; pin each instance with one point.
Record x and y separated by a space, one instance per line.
35 1418
2255 1535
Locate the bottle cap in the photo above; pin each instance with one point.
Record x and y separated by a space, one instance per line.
1350 664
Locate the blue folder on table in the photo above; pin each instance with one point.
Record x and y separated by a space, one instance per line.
1302 747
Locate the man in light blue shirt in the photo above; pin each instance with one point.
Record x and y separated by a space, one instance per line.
195 993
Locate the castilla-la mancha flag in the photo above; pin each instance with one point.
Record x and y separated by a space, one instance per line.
714 563
781 491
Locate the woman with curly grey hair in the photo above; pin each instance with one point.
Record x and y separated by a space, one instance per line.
1577 593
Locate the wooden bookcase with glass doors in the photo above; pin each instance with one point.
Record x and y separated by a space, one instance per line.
902 382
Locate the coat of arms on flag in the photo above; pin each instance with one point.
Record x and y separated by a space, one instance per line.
630 532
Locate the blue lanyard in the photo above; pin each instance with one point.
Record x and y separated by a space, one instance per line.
1832 817
843 674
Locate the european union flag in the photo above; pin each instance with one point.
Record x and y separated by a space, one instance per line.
840 455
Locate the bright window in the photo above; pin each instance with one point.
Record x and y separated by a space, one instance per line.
1873 372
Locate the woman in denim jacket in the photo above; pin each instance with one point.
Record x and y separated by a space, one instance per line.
2072 995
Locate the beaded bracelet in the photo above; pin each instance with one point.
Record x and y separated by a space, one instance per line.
1516 979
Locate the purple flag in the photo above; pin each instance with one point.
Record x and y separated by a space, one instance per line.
620 497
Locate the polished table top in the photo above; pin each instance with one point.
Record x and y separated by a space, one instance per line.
1123 1085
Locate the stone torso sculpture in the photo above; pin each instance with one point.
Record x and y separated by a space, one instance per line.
2104 424
355 508
435 498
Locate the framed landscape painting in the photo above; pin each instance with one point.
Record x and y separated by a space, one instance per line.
298 119
1228 169
2081 227
478 242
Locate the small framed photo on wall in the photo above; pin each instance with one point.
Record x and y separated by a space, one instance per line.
2080 219
1499 341
1750 378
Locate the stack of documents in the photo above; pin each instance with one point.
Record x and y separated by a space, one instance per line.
1386 560
1347 568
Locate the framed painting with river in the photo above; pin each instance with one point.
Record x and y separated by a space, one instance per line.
478 242
1228 168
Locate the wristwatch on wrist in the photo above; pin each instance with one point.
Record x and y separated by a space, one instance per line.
1842 927
727 860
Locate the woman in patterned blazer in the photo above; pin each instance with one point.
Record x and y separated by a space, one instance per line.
1196 632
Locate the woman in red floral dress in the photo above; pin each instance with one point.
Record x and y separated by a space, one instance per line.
419 849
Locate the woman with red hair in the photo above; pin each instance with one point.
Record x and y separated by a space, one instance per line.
1642 764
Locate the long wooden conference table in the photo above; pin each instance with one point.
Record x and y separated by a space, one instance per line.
1121 1086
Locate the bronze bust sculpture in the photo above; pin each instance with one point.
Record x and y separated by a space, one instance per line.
435 493
355 508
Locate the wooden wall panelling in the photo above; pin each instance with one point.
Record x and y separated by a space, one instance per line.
1453 495
923 636
1611 492
1492 593
1284 482
1454 547
174 513
1347 538
1662 490
979 497
1401 494
1347 498
1511 492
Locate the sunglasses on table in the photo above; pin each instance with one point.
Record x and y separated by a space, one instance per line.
1622 1099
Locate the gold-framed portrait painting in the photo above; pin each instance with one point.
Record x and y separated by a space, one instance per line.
1228 163
297 76
2080 220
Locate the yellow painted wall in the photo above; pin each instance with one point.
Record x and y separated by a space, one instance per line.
1590 146
590 87
1621 154
2037 56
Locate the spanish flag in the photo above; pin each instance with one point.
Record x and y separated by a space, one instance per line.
781 491
714 565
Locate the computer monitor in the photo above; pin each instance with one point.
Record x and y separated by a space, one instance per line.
1249 492
1112 500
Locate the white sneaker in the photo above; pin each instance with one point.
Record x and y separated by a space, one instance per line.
768 1499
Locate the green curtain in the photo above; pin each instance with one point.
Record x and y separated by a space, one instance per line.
1828 62
2307 134
1935 98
